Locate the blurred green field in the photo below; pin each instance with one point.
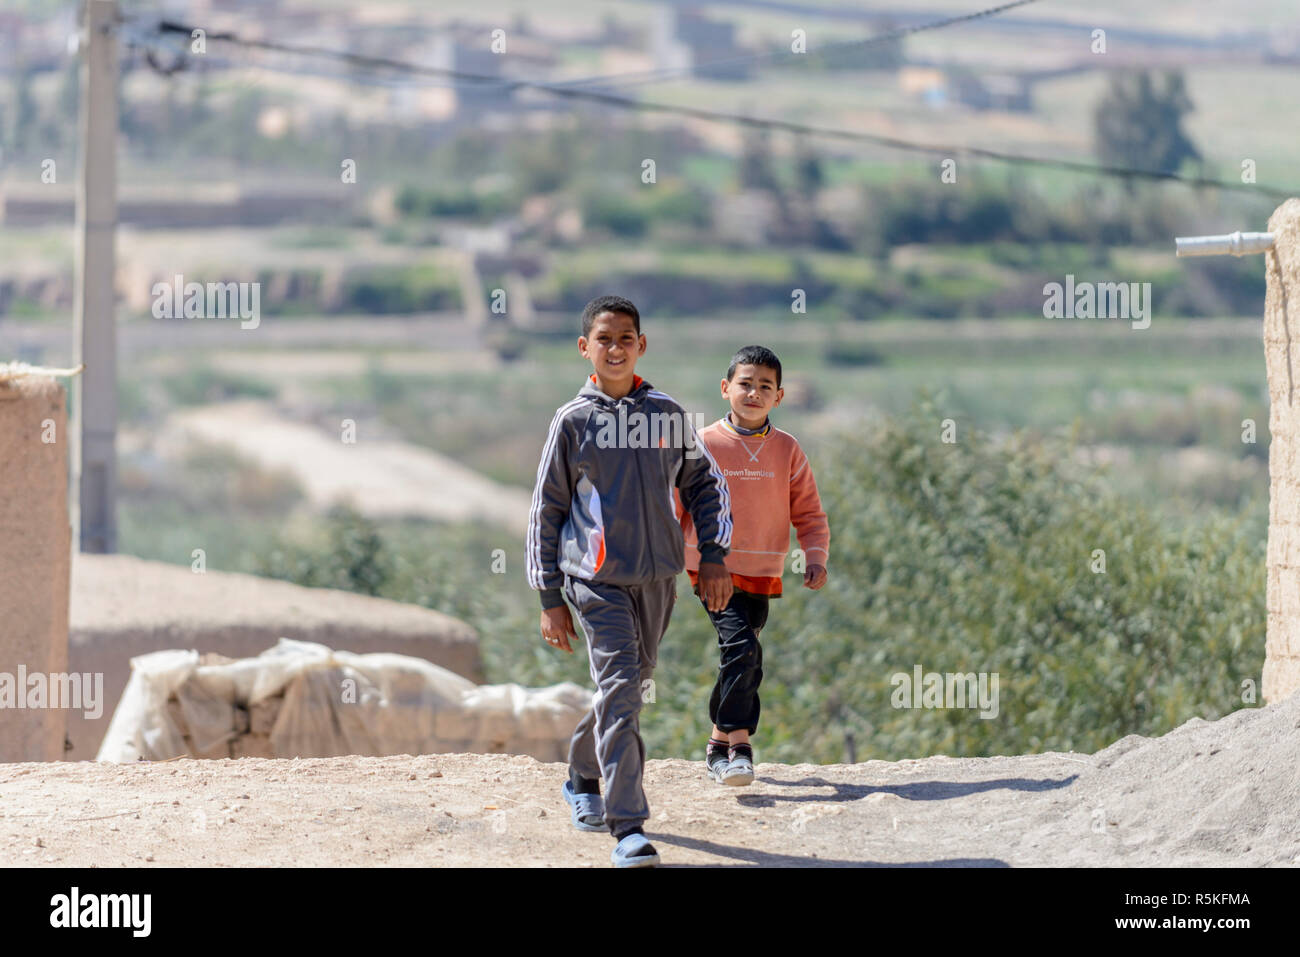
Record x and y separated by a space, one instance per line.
1179 385
1175 385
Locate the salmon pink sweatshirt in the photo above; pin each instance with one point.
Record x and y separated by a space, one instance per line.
772 488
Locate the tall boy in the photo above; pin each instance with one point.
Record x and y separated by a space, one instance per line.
603 532
772 487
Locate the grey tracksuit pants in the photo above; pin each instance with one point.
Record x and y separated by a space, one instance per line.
623 625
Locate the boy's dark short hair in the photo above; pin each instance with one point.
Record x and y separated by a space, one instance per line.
755 356
609 304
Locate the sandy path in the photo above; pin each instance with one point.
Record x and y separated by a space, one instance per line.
381 478
495 810
1207 794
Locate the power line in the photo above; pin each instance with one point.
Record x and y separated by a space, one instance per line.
654 76
358 59
717 116
168 26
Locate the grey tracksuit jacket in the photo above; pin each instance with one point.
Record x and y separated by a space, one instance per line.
603 505
604 531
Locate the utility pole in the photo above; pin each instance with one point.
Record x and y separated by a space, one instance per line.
94 440
1280 245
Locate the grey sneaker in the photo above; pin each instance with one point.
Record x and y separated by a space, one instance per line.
739 769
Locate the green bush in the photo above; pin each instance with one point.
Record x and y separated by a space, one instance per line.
924 213
676 203
964 557
354 557
978 556
400 289
461 203
204 384
619 214
852 354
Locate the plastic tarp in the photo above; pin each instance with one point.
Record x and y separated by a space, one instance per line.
301 699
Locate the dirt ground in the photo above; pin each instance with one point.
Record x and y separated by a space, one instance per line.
1206 794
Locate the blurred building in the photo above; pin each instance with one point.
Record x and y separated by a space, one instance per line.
939 87
682 38
483 85
457 52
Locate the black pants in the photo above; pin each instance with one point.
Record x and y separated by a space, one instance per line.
733 705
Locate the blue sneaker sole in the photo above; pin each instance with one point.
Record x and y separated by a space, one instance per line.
573 813
645 860
633 860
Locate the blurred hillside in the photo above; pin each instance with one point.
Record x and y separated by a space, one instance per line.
423 244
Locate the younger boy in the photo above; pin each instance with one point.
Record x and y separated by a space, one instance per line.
772 487
603 533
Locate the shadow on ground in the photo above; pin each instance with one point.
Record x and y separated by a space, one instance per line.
745 856
917 791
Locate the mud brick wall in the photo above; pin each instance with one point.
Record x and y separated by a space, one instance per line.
35 554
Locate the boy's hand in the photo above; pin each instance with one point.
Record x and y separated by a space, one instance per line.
814 576
557 627
715 586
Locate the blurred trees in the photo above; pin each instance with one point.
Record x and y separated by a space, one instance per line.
1139 123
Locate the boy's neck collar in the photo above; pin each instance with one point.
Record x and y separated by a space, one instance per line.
763 429
636 384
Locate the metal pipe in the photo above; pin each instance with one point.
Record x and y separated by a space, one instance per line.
1233 244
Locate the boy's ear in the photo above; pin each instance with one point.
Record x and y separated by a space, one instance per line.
724 387
582 346
780 394
641 343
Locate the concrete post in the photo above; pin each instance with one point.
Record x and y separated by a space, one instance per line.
94 450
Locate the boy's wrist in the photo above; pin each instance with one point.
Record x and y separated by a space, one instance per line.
712 553
551 598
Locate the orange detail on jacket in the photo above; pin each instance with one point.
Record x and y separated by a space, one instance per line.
766 585
636 380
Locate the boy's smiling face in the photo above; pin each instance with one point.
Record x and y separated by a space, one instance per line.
753 393
614 346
